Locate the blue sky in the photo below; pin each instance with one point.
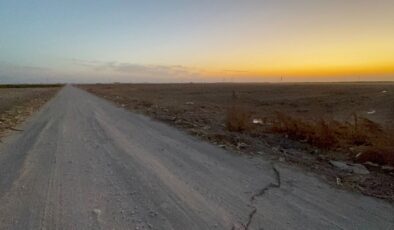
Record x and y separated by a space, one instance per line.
160 41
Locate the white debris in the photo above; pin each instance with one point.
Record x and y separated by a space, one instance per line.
339 181
189 103
257 121
371 164
388 168
371 112
241 145
97 212
384 91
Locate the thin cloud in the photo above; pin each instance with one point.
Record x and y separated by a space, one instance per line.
10 73
133 69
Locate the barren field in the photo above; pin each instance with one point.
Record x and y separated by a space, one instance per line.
19 102
341 131
81 162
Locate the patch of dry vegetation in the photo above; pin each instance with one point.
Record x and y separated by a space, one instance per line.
366 140
16 104
238 119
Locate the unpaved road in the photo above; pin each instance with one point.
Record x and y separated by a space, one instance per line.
82 163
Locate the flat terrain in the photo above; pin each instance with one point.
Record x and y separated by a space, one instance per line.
201 110
312 100
82 163
17 102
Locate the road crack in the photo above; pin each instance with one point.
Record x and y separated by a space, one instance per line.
272 185
277 184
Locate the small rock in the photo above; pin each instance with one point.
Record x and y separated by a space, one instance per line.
349 167
341 165
360 169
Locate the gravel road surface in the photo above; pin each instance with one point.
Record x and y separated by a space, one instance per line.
83 163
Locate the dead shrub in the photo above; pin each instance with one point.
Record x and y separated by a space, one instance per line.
378 144
383 155
318 133
145 103
323 135
238 119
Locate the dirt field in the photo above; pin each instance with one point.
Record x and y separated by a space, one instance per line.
16 104
83 163
203 110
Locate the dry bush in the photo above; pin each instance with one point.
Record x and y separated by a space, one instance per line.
238 119
318 133
381 150
378 144
324 135
145 103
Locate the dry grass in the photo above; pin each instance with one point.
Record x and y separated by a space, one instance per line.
318 133
238 119
365 139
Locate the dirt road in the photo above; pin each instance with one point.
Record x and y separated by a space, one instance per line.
82 163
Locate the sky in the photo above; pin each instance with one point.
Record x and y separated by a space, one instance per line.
193 41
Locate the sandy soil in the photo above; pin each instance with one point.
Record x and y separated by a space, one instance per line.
16 104
200 109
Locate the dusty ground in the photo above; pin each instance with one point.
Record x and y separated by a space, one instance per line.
201 110
16 104
83 163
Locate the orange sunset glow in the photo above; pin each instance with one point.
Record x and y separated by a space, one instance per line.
203 41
